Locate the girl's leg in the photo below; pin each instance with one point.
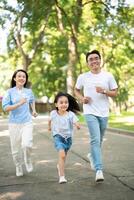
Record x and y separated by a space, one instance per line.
15 140
27 142
61 162
61 166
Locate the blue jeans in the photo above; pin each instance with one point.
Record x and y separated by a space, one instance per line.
97 126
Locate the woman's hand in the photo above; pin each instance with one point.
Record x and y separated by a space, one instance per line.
22 101
34 114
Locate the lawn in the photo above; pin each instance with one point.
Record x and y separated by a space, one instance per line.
124 121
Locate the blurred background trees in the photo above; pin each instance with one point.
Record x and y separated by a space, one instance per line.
50 38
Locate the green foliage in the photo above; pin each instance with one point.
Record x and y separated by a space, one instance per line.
94 24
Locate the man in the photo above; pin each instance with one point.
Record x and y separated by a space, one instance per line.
97 86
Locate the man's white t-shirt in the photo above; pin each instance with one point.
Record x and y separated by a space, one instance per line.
99 105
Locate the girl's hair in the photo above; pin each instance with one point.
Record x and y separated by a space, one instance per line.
73 105
13 82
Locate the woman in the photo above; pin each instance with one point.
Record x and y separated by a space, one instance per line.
17 102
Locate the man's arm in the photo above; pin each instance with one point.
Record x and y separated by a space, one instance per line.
109 93
80 97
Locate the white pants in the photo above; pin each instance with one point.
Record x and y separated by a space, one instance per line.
21 139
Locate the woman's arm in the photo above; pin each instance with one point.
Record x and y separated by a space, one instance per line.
15 106
34 113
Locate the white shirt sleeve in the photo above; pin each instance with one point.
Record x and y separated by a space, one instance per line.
52 114
112 83
74 117
79 82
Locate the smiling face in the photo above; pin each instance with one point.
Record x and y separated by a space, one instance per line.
20 79
94 62
62 104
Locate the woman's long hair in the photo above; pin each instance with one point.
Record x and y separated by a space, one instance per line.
13 82
73 105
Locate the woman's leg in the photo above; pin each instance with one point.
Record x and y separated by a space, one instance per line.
27 142
15 140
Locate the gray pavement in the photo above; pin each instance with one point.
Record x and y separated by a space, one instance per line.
42 183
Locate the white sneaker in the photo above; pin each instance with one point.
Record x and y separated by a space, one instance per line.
19 171
29 167
99 176
91 161
62 179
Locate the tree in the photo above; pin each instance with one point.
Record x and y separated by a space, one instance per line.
52 37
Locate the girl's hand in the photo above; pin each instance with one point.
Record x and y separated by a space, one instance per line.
78 126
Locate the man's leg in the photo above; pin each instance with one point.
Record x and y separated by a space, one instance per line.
94 129
103 125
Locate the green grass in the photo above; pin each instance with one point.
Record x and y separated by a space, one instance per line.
124 121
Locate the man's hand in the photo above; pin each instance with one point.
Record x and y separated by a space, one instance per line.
99 90
86 100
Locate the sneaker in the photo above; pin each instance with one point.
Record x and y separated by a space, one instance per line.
62 179
91 161
19 171
99 176
29 167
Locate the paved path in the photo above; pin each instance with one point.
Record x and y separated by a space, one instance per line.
42 184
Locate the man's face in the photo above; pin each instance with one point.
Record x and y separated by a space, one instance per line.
94 62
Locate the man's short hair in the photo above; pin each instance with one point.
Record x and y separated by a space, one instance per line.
93 52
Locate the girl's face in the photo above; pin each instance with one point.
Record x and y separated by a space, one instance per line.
62 103
20 79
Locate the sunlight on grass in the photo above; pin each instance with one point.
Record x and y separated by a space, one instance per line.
125 121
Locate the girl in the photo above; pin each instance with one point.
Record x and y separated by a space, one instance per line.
61 123
16 102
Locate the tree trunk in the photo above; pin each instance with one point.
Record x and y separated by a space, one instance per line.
72 60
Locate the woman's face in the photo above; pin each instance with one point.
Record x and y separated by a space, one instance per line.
20 79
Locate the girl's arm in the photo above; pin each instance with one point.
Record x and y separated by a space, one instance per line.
77 125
